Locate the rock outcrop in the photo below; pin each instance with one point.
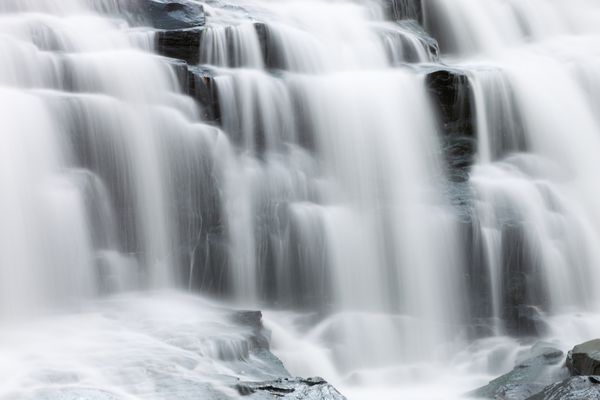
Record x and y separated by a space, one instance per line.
575 388
163 14
452 96
182 44
290 389
584 359
529 377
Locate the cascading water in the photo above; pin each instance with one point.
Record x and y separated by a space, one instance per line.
395 216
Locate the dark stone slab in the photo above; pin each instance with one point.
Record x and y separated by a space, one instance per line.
290 388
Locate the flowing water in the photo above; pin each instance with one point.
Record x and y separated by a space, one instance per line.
317 188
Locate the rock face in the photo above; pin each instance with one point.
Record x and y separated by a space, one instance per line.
530 376
296 388
203 88
182 44
575 388
272 56
584 359
452 95
523 295
165 14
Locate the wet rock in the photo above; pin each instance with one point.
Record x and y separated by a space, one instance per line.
292 388
253 320
526 321
202 87
164 14
536 369
182 44
523 292
576 388
273 57
584 359
452 97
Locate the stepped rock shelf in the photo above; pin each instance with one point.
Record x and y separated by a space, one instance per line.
406 189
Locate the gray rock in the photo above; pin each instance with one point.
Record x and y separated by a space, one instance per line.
164 14
537 369
584 359
202 87
290 389
575 388
452 96
182 44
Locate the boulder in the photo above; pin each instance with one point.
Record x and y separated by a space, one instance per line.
584 359
535 370
526 320
290 389
164 14
575 388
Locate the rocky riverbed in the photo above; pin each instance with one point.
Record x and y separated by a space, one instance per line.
546 373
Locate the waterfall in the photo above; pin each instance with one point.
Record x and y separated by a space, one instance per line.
403 186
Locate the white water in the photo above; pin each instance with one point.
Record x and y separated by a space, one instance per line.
324 194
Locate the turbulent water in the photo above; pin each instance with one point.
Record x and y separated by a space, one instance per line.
399 251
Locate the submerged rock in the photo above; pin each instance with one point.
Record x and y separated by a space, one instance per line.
526 321
575 388
584 359
539 368
293 388
404 9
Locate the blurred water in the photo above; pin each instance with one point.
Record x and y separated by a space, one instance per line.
322 196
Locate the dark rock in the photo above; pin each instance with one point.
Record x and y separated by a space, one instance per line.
576 388
183 44
452 97
526 321
164 14
290 388
180 69
523 293
258 345
531 375
584 359
202 87
273 57
253 320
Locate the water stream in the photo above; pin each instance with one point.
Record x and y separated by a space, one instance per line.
317 188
